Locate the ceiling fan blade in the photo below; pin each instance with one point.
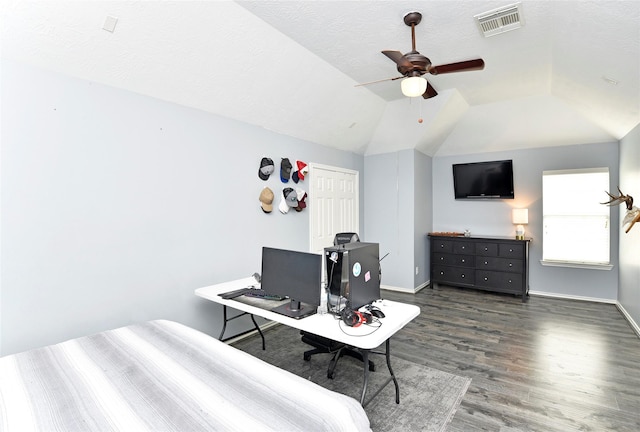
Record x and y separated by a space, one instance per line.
378 81
468 65
429 92
398 58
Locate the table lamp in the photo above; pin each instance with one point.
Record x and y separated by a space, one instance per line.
520 217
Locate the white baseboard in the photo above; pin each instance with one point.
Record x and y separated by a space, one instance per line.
633 324
572 297
622 310
404 290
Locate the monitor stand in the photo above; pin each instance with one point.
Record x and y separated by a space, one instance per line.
295 309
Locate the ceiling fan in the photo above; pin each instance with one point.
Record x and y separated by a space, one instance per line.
413 65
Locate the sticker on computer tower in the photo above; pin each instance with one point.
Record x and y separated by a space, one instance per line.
367 276
357 269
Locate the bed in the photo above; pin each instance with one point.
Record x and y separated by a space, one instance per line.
162 376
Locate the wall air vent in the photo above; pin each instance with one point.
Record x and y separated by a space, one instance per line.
500 20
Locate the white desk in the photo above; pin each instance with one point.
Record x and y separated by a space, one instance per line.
365 338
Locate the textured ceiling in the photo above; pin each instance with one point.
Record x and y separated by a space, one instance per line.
293 66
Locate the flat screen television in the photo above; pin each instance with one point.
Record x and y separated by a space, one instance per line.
293 274
483 180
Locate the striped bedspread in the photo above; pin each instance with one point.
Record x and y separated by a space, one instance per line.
162 376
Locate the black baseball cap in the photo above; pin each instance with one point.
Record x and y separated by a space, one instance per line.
266 168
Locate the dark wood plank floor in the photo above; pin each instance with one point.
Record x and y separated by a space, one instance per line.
544 365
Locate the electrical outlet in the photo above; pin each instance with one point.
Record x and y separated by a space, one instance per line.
417 270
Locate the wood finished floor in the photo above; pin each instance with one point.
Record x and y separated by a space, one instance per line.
544 365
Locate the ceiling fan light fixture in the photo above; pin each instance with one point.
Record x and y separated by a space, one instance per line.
413 86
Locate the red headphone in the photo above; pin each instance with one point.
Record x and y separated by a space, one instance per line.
354 318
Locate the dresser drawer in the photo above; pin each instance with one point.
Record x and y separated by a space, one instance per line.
500 264
487 249
442 246
453 260
453 275
464 247
499 281
511 251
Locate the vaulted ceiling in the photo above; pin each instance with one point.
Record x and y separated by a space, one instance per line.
569 75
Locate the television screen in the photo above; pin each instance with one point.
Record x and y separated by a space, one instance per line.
492 179
296 275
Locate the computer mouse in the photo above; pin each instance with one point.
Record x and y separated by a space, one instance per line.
376 312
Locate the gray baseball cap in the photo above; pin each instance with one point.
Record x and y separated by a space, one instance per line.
266 168
290 197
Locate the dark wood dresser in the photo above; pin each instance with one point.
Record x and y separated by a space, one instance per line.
498 264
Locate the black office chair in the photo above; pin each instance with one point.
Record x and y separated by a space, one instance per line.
323 345
348 237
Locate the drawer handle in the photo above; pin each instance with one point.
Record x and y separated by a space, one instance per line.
441 273
486 249
463 275
510 250
441 258
464 247
510 265
486 279
461 260
509 280
441 245
486 263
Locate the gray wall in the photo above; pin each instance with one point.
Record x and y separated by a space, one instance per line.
423 216
493 218
629 293
403 266
115 207
398 214
381 190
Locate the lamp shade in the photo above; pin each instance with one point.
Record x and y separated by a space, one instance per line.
520 216
413 86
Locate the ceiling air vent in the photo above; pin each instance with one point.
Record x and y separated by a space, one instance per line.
500 20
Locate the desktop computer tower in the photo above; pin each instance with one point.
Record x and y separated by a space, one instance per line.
353 274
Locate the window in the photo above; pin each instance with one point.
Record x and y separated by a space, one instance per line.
575 224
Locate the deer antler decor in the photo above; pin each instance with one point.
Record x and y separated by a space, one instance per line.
633 212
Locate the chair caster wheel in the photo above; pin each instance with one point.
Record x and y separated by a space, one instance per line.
331 375
306 357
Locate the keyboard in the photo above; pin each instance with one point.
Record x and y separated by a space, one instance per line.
234 293
258 293
250 292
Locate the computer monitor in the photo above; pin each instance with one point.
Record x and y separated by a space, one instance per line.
353 273
296 275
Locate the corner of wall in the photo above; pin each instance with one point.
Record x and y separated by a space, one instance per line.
632 323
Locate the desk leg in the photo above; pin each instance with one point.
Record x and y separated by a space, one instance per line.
224 324
395 381
365 356
259 331
365 383
226 320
